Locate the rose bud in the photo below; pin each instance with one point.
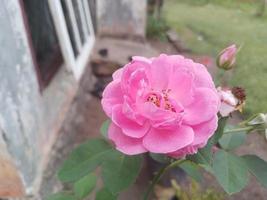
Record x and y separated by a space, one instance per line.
259 119
227 57
258 122
231 100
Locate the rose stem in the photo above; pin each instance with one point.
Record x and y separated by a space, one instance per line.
159 175
249 128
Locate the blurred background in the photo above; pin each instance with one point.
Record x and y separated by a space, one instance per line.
58 55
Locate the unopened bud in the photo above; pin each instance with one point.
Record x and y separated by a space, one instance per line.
259 119
226 59
258 122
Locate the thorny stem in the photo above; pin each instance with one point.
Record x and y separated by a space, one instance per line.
159 175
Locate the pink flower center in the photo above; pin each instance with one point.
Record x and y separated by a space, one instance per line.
161 100
154 98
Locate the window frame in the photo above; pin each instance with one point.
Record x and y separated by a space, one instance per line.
72 64
76 65
43 83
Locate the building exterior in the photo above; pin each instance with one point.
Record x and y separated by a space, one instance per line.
44 48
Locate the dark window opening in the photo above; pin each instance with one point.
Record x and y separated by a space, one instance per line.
45 45
92 7
69 27
78 20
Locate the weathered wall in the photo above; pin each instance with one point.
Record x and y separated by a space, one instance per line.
12 185
29 120
121 18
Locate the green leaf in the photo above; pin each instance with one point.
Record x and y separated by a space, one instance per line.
105 194
230 171
203 157
104 128
192 170
219 132
61 196
231 141
120 171
159 158
85 185
257 167
84 160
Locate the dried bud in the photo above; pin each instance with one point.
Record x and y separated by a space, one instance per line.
226 59
231 100
239 93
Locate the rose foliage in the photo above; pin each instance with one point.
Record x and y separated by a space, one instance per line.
168 108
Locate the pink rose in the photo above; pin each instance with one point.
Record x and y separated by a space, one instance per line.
165 105
227 57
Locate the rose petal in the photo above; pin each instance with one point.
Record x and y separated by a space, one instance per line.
181 86
112 96
201 74
117 74
128 126
166 141
205 130
141 59
181 153
160 72
203 108
125 144
134 78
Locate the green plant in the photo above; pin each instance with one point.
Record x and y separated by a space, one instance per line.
194 192
156 29
208 140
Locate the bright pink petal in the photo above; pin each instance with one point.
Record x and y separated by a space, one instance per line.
205 130
203 108
181 86
137 83
160 118
128 126
202 76
177 60
134 78
160 72
112 96
166 141
130 111
125 144
117 74
141 59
